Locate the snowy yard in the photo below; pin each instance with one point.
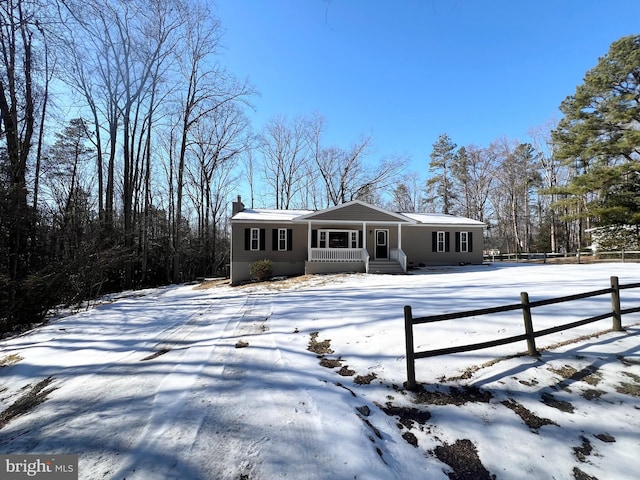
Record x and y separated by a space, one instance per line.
302 379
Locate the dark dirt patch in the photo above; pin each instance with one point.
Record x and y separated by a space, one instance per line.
407 415
364 410
346 372
320 348
242 344
584 450
532 421
530 383
454 396
371 426
605 437
580 475
353 394
410 438
627 362
155 354
553 402
330 363
592 394
27 402
463 458
365 379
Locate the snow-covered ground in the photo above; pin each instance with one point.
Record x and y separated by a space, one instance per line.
219 383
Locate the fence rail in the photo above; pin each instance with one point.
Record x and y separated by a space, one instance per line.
529 333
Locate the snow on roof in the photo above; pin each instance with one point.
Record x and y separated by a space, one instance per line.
273 215
269 215
441 219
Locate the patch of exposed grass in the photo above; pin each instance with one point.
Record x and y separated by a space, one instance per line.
10 360
212 283
532 421
30 399
584 450
553 402
605 437
592 393
407 415
454 396
462 457
365 379
580 475
331 362
627 388
589 375
346 372
319 348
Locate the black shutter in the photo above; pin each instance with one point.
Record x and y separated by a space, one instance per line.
470 241
263 240
457 241
247 239
289 239
274 239
446 242
359 238
434 241
314 238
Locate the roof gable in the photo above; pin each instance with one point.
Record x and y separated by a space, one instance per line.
356 211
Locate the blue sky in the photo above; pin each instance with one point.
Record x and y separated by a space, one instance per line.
406 71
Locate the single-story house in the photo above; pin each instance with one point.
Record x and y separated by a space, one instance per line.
352 237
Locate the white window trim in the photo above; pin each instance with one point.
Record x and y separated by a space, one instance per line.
323 237
441 242
255 237
282 239
464 242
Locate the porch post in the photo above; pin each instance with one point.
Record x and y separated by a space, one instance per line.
364 235
399 236
309 241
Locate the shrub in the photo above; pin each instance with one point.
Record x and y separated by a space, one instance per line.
261 270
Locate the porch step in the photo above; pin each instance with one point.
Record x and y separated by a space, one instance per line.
385 267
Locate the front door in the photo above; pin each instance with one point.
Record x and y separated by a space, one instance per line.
382 244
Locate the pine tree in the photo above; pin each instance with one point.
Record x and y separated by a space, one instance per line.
442 157
600 136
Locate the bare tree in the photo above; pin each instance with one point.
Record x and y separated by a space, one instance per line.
473 172
18 29
284 145
209 87
218 142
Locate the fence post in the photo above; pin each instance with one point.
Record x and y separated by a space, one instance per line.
408 334
615 305
528 325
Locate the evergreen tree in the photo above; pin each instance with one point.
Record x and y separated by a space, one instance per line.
600 136
442 157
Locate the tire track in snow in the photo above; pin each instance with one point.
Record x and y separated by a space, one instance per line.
178 407
259 431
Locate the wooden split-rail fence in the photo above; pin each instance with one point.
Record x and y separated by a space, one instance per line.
529 333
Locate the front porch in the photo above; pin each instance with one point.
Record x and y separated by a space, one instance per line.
335 260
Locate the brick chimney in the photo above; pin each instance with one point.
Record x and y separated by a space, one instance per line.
237 207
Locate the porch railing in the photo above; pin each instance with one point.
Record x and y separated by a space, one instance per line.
399 256
337 255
